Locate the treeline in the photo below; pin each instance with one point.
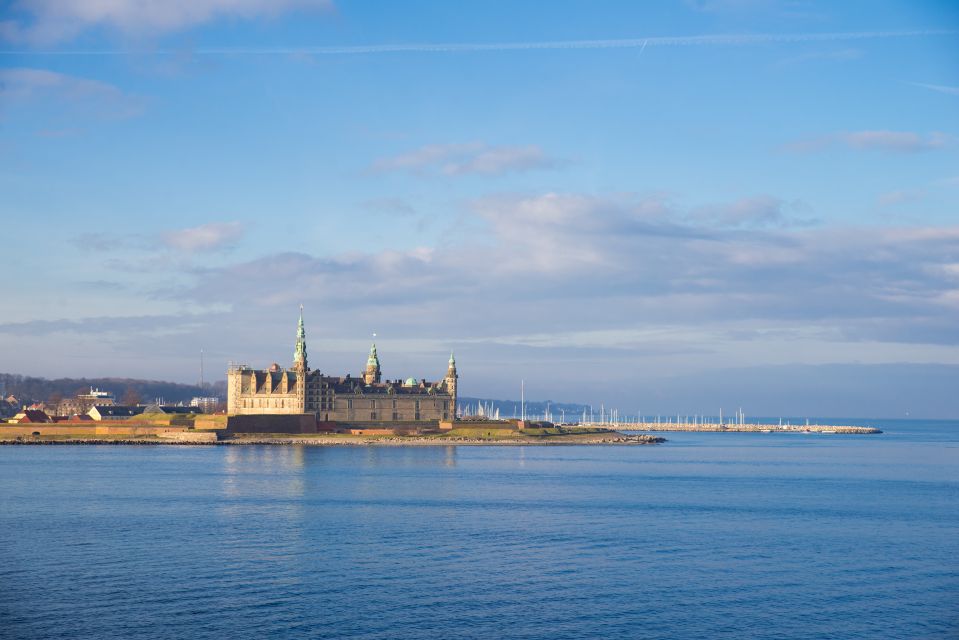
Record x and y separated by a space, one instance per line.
34 389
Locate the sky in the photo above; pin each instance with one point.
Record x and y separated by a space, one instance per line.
657 206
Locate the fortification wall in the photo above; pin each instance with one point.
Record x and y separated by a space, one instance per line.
188 436
283 423
82 429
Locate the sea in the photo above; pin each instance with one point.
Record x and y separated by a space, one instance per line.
738 535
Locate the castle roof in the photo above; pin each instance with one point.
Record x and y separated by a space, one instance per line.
390 387
32 415
118 410
169 409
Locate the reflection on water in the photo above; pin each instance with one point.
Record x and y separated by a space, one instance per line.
409 456
449 457
273 474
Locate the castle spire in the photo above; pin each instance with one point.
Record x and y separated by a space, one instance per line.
372 373
451 383
299 354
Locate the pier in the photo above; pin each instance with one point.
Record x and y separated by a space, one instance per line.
733 427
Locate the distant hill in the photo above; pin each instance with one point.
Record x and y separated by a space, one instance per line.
35 389
510 408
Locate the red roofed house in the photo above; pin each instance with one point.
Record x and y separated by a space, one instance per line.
31 416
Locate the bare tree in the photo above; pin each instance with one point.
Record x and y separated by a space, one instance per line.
131 396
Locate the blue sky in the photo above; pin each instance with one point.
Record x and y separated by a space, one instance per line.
670 205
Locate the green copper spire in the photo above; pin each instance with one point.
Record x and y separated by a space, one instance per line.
299 355
452 360
372 373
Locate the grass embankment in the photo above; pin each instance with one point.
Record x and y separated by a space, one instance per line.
500 434
196 421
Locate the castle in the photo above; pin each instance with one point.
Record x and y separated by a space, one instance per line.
362 399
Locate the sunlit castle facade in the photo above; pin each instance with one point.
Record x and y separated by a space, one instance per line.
364 398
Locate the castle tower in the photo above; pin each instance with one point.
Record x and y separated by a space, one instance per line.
300 364
372 373
450 381
299 353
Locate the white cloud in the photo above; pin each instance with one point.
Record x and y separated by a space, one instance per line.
894 140
28 86
426 156
941 88
50 21
497 160
206 237
875 140
900 196
755 212
559 263
467 158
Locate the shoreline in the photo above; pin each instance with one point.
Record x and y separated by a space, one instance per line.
604 439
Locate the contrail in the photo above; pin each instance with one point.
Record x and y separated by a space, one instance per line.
645 42
629 43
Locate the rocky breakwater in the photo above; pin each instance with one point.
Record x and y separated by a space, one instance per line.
748 428
608 438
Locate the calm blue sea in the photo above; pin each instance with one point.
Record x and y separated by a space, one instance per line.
709 535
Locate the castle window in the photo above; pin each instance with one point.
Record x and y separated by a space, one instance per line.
349 403
372 415
396 416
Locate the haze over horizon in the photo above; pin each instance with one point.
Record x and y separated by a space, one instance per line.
660 206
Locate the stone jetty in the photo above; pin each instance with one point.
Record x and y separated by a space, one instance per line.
747 428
